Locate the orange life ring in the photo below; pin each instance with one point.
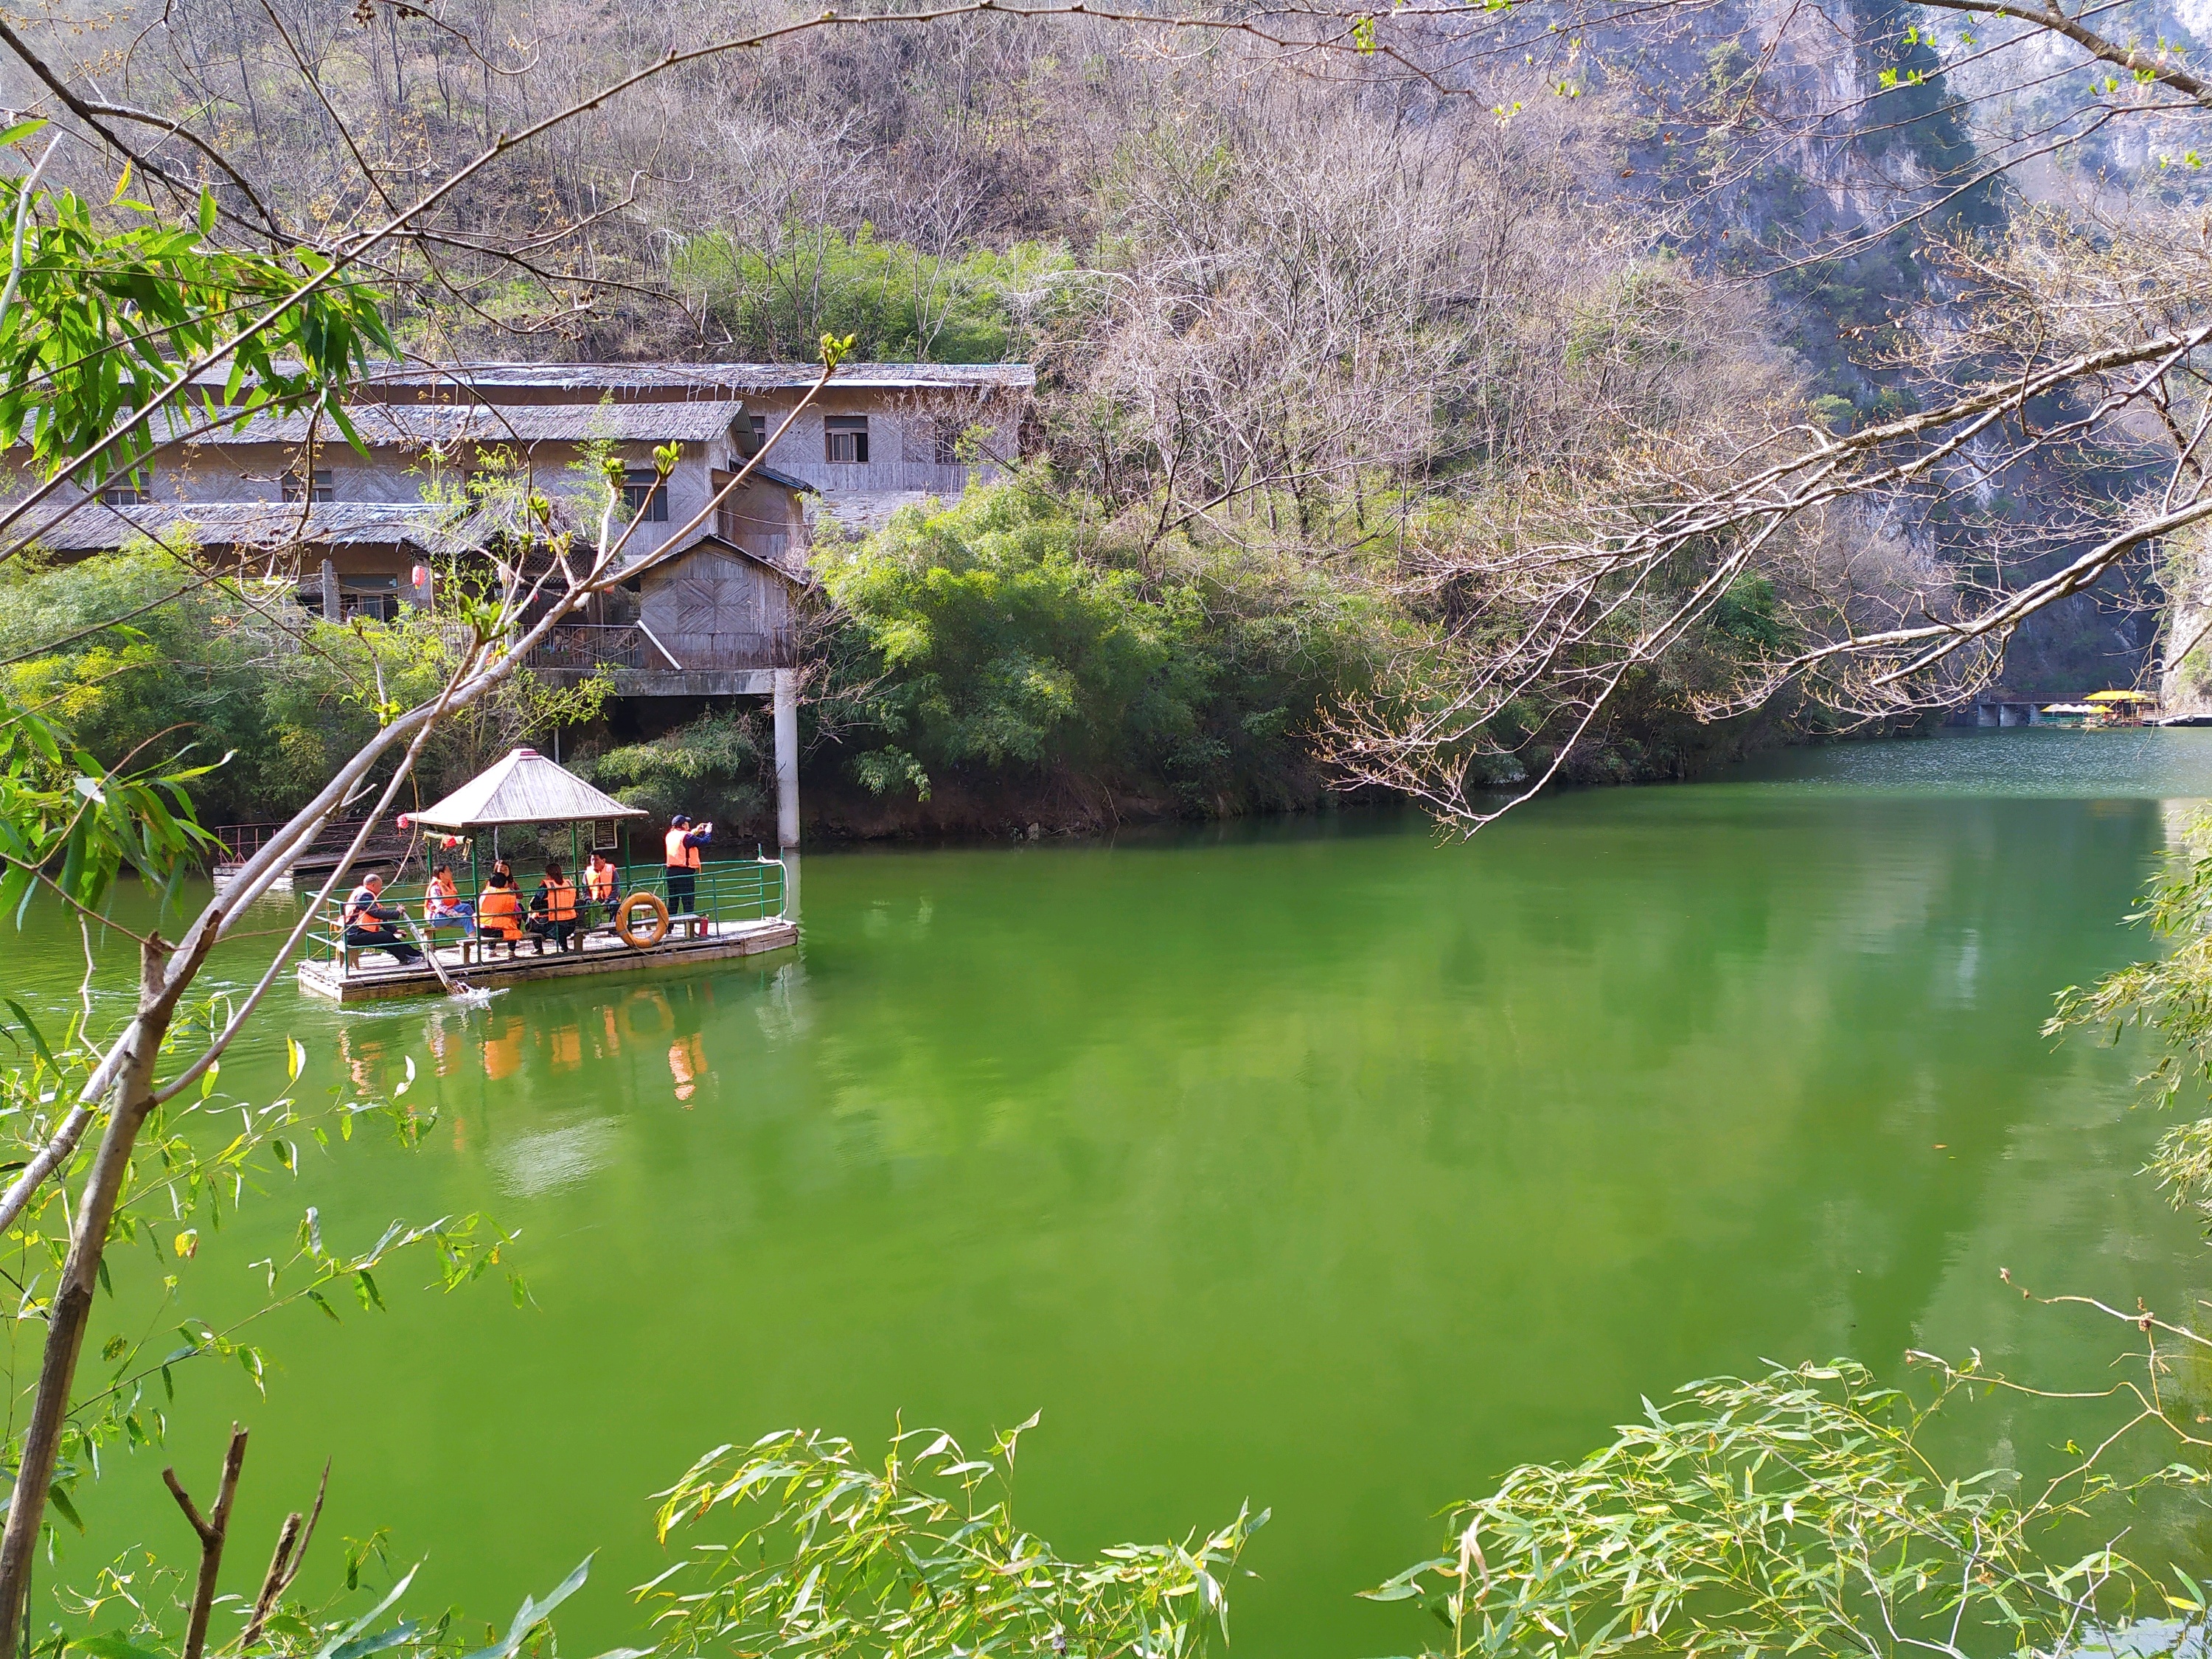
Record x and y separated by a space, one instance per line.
637 938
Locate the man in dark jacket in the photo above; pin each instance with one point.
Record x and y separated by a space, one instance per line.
367 923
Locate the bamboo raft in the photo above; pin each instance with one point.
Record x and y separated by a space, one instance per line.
734 907
374 976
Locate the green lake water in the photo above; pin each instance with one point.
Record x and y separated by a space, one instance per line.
1317 1163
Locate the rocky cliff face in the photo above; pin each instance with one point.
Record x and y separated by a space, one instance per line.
2185 644
1836 157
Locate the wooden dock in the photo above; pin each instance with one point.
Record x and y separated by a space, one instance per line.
378 976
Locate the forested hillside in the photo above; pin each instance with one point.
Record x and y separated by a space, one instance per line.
1344 342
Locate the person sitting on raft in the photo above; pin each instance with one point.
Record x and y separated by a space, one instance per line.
599 888
553 910
442 902
498 913
367 923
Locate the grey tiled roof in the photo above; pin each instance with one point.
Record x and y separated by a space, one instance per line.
797 486
415 425
495 403
93 528
522 786
706 379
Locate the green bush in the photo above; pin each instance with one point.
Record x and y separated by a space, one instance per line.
991 639
721 766
140 659
183 675
900 304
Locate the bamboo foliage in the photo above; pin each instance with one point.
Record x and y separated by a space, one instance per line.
918 1559
1792 1512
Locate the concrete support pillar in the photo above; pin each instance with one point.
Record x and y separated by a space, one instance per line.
330 591
787 757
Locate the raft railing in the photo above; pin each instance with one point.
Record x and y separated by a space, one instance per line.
728 890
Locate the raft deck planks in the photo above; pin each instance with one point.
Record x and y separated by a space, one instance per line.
599 954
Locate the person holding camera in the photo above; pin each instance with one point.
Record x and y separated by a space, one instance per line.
683 843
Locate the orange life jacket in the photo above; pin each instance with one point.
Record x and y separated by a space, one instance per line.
500 911
440 896
601 883
680 856
358 902
560 900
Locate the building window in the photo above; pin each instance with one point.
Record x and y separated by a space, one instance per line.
372 598
945 440
845 438
760 432
381 607
128 490
645 494
319 487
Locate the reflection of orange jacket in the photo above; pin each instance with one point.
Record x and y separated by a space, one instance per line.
686 1059
680 856
503 1053
498 912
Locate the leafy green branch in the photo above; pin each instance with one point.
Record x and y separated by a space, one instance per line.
2168 999
1792 1512
918 1559
70 825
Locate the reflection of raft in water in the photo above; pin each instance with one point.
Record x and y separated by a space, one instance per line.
740 907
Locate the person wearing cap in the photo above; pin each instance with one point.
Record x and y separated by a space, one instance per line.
367 922
683 843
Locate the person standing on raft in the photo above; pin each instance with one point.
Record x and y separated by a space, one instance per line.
367 923
684 843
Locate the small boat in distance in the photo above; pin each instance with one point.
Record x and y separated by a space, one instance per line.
2122 708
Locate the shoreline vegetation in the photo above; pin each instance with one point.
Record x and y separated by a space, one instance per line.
976 668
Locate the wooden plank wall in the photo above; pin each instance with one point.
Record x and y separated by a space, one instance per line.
717 609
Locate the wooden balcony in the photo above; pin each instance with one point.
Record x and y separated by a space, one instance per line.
880 478
582 648
641 665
